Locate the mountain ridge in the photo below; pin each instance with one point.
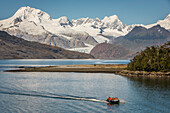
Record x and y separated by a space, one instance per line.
36 25
140 37
12 47
112 22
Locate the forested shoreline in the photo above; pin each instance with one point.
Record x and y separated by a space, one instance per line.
152 59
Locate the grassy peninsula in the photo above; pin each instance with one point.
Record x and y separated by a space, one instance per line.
99 68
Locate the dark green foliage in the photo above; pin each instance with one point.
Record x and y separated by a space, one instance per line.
152 59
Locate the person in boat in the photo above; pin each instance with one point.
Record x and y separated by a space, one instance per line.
113 99
116 99
109 99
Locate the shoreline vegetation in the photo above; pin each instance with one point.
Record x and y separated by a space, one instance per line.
119 69
152 59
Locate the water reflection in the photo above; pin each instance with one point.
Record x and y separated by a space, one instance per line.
152 93
112 107
152 83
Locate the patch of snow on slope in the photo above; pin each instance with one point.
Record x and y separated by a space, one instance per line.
87 28
101 39
67 37
114 33
83 49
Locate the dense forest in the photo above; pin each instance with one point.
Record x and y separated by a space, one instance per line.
152 59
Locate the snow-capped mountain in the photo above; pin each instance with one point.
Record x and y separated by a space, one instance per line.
109 26
79 35
163 23
84 21
35 18
113 22
35 25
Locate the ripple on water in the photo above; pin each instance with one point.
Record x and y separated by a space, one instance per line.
36 92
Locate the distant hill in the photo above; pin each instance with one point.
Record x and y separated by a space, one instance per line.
12 47
109 51
152 59
139 38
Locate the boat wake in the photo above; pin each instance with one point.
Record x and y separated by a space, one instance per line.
54 96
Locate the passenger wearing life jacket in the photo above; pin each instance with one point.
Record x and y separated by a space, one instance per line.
116 98
113 99
108 99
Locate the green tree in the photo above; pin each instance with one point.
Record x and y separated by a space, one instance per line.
152 59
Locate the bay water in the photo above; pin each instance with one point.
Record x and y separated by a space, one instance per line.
78 92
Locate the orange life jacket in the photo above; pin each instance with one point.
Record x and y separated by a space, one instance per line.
113 98
116 98
108 98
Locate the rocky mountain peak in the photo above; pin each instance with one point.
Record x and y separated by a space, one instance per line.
31 14
86 21
113 22
168 17
138 28
164 23
64 18
156 27
64 21
110 18
159 30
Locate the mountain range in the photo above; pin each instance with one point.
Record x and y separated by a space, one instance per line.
140 37
78 35
129 45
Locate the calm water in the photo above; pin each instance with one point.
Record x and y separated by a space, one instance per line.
13 64
73 92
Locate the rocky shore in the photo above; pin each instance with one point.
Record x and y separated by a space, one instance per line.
143 74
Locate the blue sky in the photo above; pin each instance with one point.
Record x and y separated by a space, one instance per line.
128 11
